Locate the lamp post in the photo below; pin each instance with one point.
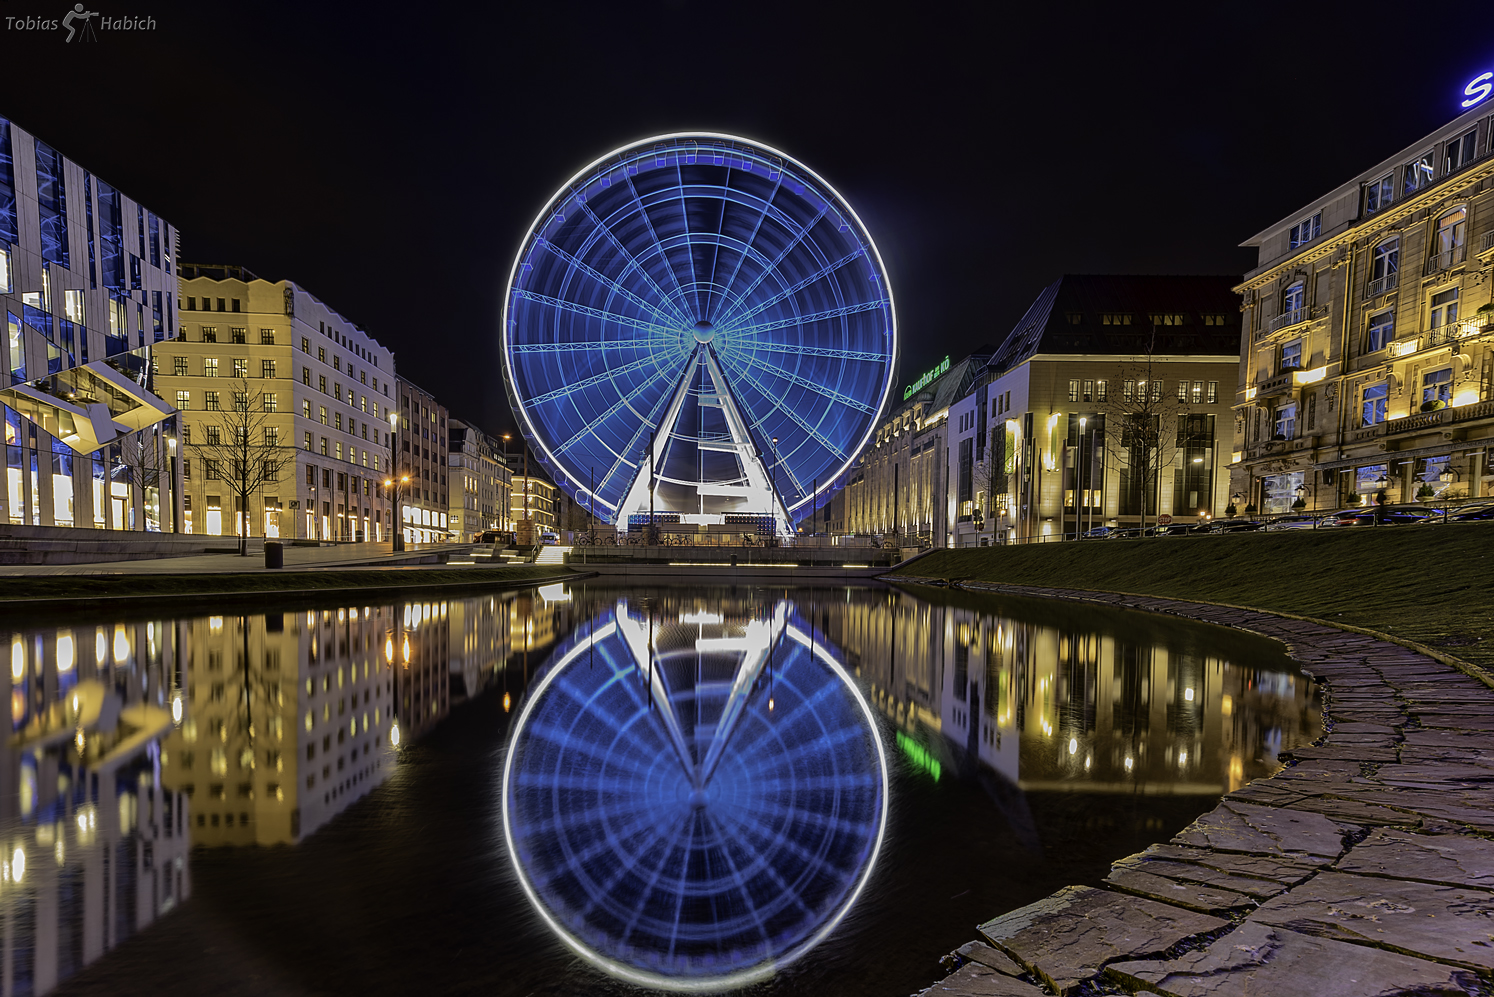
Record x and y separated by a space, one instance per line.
1081 505
396 529
171 471
773 482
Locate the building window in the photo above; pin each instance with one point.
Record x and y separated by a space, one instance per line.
1170 318
184 400
191 304
321 354
306 407
240 367
267 369
236 335
1451 247
241 401
1377 193
305 345
1418 173
1381 331
1102 393
1286 422
272 436
1087 393
1458 153
324 446
1372 408
323 410
1291 355
306 376
210 367
1128 390
1213 318
1198 392
214 435
1384 264
1294 303
180 365
210 401
1182 391
1444 308
1073 391
209 334
321 384
210 471
1115 318
1436 386
307 447
1213 395
1305 231
337 420
271 401
267 337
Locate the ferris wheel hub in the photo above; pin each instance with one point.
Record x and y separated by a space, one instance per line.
703 332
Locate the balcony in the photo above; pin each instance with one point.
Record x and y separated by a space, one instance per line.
1383 285
1446 260
1487 243
1285 382
1288 319
1422 422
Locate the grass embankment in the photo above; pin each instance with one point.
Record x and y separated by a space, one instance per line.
1429 584
18 590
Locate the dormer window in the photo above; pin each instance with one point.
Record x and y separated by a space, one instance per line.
1378 193
1458 153
1418 173
1306 231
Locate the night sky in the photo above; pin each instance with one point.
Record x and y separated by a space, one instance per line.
390 158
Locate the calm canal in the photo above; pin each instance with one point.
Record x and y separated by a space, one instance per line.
559 790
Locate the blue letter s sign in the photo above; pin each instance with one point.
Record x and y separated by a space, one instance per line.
1478 88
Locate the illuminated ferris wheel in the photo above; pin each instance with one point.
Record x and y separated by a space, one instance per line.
698 324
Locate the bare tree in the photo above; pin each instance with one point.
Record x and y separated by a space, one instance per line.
1141 429
241 448
142 454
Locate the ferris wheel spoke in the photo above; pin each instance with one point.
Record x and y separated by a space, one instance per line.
808 385
615 408
814 434
772 268
645 426
633 262
581 385
751 239
596 275
798 320
807 351
679 173
653 234
597 313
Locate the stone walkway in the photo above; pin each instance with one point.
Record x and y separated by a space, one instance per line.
1324 880
332 556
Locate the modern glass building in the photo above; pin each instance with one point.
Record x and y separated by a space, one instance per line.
87 284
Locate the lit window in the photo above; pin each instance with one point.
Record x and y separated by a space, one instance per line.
1088 391
1291 355
1213 319
209 333
241 401
271 401
236 335
1213 396
1182 391
324 446
272 436
1380 332
210 368
306 407
1102 393
305 345
1128 390
180 366
184 400
1305 231
1436 386
267 337
321 384
322 409
210 401
1458 153
1372 410
307 444
1170 318
306 376
1377 193
1115 318
1198 392
1444 308
1073 391
1418 173
267 369
240 368
1451 241
1293 303
1286 421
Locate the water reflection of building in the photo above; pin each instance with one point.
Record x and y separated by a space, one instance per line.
285 721
1052 706
92 845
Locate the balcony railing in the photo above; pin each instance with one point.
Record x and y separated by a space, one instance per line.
1294 317
1382 285
1446 259
1488 242
1421 421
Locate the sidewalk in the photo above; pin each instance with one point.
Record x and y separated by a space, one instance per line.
296 559
1364 867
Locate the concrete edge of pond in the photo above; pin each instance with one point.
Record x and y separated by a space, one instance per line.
382 587
1324 879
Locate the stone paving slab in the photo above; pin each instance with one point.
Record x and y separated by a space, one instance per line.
1069 937
990 958
1453 924
1370 856
1257 960
975 980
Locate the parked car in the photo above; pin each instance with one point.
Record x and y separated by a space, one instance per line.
1098 533
1387 517
1302 522
549 538
1472 515
1229 526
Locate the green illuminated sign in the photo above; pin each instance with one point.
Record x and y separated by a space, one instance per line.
918 755
925 380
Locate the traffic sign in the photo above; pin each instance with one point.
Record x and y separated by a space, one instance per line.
1164 520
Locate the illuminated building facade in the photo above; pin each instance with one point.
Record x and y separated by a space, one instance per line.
87 288
310 391
533 499
422 457
1108 404
1368 348
479 479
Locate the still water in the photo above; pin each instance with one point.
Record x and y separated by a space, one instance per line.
580 789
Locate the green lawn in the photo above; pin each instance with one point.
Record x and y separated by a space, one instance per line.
1431 584
16 590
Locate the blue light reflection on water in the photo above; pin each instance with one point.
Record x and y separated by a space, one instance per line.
694 805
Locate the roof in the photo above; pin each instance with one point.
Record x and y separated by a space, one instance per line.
1068 317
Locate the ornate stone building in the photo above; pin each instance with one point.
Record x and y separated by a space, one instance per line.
1368 335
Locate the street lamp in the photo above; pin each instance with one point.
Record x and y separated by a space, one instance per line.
396 528
773 481
171 445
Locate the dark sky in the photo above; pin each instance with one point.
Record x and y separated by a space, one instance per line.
389 158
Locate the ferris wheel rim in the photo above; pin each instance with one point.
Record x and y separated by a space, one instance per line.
532 432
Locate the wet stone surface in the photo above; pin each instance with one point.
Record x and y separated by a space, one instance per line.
1363 868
